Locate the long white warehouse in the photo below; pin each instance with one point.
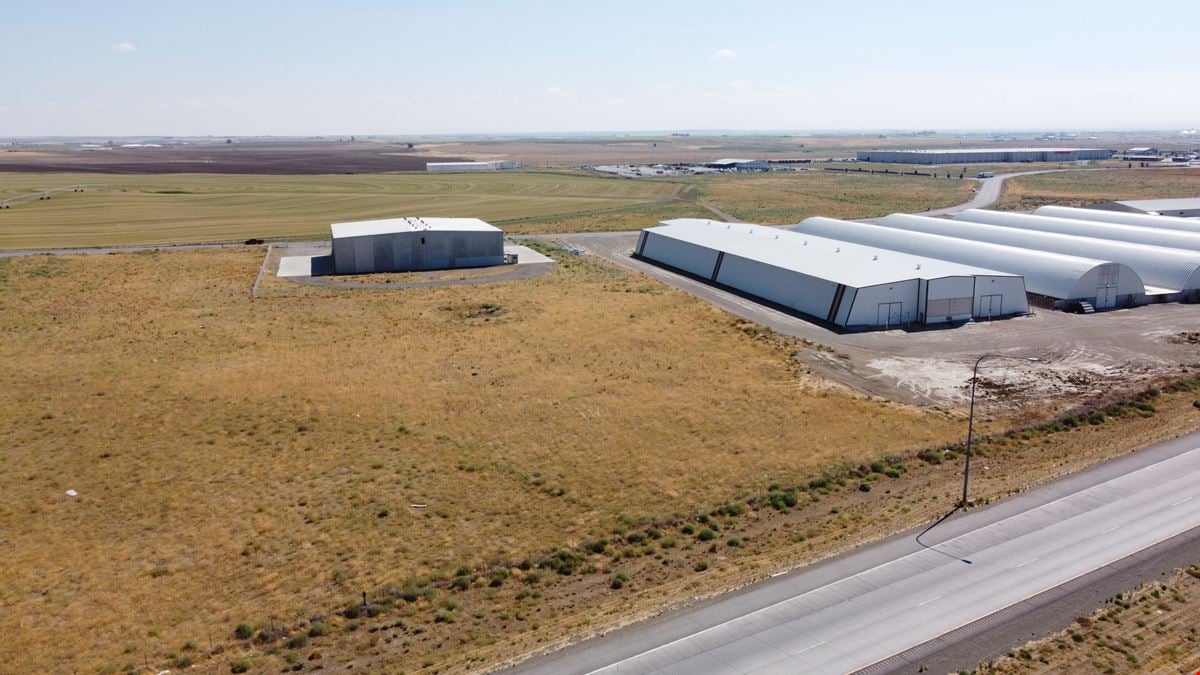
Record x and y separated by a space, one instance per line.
1121 218
1169 270
849 285
409 244
1134 234
1065 278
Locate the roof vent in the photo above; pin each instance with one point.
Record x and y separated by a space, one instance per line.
918 265
874 257
776 235
837 250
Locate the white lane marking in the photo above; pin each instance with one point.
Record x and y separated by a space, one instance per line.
1025 563
1181 501
811 647
895 560
1115 527
922 604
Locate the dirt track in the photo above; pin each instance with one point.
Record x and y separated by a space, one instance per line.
237 158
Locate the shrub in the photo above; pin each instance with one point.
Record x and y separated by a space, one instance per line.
893 472
706 535
532 578
461 582
734 542
878 467
498 578
668 542
318 629
239 666
297 641
445 616
688 529
618 580
1096 418
654 533
818 483
635 537
701 566
563 561
596 546
1196 404
864 487
243 631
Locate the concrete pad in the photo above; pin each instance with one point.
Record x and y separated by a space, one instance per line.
305 266
526 255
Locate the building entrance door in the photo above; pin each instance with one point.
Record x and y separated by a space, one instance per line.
990 305
890 314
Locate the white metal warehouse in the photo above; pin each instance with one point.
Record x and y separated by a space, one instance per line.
461 167
1169 270
848 285
1060 277
1151 236
1121 218
410 244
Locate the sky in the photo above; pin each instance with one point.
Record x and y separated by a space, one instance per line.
303 67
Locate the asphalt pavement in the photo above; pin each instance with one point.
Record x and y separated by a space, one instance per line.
875 607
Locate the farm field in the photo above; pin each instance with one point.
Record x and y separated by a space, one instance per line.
267 461
1077 188
183 208
779 198
180 208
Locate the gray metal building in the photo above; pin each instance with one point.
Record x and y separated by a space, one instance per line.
410 244
846 284
1180 207
462 167
983 155
1059 277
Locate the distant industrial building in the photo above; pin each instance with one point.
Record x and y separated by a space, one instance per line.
1162 222
983 155
1186 207
1141 155
457 167
739 164
411 244
846 284
1060 278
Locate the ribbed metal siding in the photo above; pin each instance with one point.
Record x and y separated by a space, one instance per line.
1051 274
1121 218
1149 236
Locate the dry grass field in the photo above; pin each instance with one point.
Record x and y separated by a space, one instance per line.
265 461
1152 629
1077 188
790 197
212 207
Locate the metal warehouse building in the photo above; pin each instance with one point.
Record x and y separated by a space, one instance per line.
846 284
1151 236
1060 277
1137 219
983 155
452 167
1169 270
410 244
1183 207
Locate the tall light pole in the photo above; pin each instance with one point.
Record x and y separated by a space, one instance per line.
971 415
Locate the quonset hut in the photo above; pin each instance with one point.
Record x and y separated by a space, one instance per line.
1122 218
411 244
1151 236
849 285
1058 277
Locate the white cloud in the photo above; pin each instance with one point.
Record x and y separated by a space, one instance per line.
124 48
559 92
4 110
726 54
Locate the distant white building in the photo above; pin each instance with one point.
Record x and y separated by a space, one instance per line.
739 164
451 167
411 244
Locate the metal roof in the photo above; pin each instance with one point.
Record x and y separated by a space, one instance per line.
1121 217
1152 236
365 228
841 262
1054 275
1168 268
1179 204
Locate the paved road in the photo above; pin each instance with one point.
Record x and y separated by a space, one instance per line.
870 609
987 194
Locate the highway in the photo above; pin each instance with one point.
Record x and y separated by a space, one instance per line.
874 608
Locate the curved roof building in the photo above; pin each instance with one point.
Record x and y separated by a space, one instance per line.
1167 269
1054 275
1120 217
1133 234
